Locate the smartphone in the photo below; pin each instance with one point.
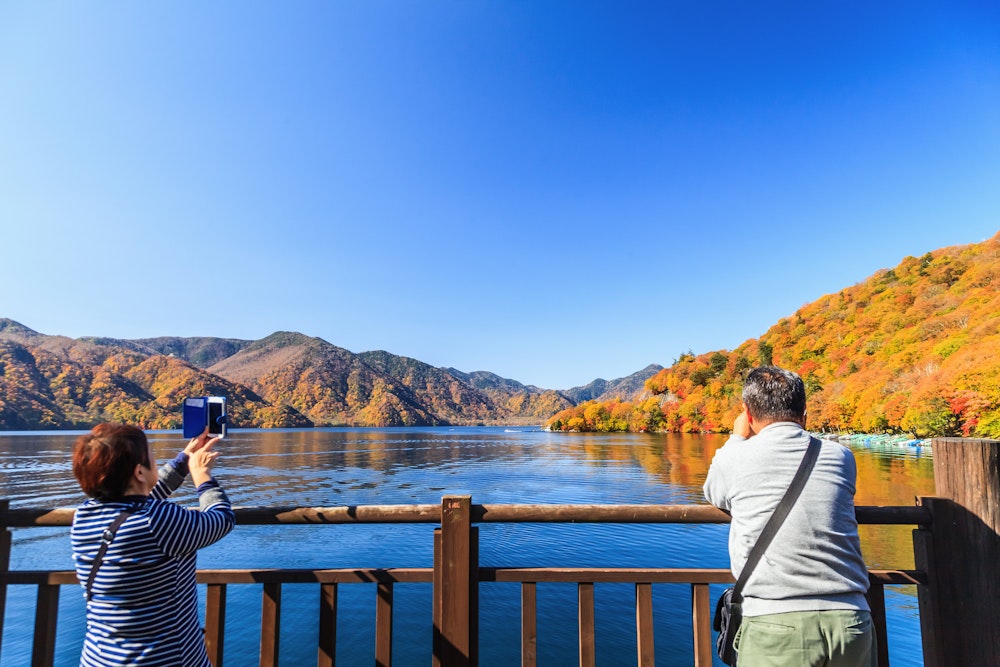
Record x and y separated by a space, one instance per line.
205 411
217 416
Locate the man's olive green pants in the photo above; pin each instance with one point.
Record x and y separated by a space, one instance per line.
835 638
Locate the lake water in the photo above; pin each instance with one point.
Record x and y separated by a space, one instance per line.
324 467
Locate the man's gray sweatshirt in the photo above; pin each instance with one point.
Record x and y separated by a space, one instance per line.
814 562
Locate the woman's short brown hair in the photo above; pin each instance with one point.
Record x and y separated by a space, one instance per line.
105 458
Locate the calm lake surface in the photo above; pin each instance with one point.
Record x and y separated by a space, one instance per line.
324 467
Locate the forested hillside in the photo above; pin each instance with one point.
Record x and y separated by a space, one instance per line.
913 349
284 380
53 382
201 351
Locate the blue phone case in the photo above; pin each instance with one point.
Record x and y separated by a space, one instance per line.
195 416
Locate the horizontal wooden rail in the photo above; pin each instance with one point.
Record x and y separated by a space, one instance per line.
915 516
63 516
420 575
413 575
600 575
657 575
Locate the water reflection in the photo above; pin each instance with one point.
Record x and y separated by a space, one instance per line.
320 467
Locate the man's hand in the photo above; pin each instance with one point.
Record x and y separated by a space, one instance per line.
741 426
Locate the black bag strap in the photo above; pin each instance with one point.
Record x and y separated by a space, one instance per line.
106 539
778 516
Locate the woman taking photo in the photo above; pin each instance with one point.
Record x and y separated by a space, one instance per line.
135 550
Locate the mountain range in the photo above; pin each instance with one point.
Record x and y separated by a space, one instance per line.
284 380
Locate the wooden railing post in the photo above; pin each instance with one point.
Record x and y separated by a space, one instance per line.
4 565
270 625
961 604
644 625
327 625
701 624
585 620
876 600
529 624
43 648
215 622
383 624
456 583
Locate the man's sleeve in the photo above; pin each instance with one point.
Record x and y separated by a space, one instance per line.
716 487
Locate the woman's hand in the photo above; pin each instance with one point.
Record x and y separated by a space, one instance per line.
199 442
201 457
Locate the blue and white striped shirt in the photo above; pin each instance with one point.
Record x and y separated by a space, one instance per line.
144 603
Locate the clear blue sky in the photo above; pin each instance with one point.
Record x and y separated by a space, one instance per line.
551 191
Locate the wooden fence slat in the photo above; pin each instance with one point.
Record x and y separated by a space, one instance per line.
585 604
876 600
215 622
270 625
5 541
644 625
383 626
46 612
529 624
701 623
436 601
474 596
931 630
327 626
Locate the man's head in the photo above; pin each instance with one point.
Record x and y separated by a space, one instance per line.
772 394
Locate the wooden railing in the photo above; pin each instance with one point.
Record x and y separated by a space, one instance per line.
455 575
948 531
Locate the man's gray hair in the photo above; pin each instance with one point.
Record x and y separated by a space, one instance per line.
773 394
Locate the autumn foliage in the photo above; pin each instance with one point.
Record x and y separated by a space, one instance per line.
284 380
914 349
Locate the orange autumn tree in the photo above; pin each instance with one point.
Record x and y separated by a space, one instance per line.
914 349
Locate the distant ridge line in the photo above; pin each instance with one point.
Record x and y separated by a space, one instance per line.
286 379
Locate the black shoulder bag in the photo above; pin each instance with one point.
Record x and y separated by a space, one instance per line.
729 609
106 539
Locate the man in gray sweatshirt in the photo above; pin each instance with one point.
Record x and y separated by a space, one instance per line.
804 604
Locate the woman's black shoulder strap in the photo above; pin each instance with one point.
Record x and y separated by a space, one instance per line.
106 539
